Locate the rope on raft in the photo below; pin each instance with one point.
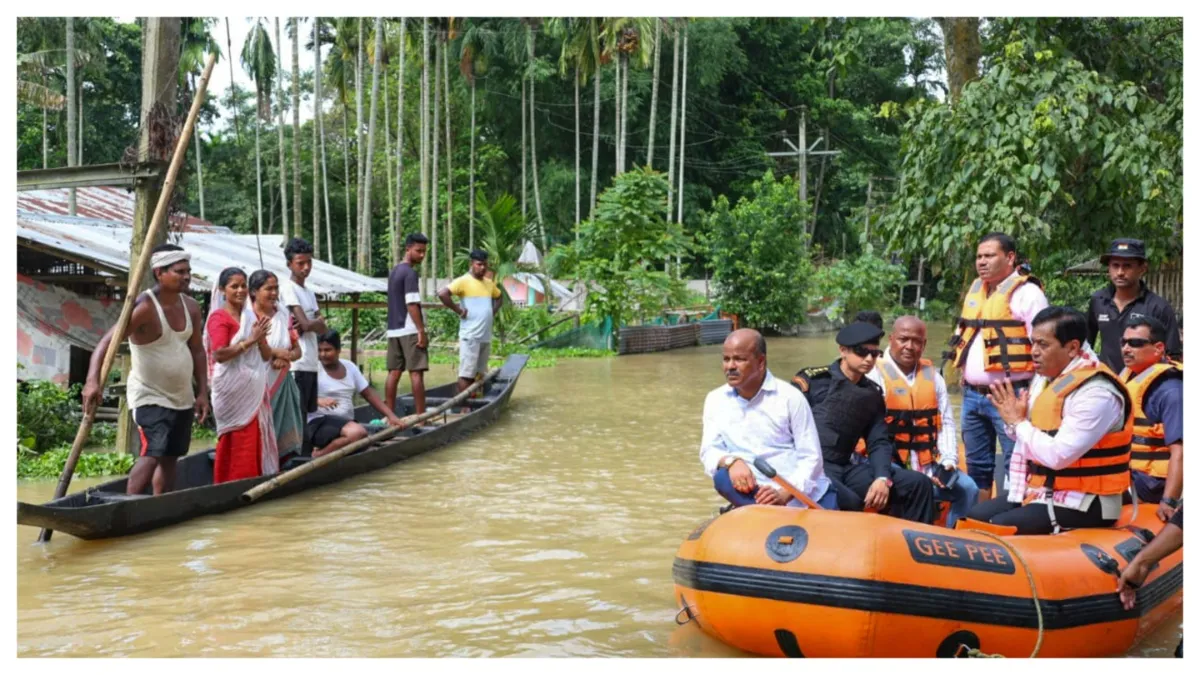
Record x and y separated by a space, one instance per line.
964 650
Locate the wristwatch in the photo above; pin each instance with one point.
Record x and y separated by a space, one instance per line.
728 460
1171 502
885 478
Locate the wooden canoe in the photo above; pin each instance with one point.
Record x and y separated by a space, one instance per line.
105 510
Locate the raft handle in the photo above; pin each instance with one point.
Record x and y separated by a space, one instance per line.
686 609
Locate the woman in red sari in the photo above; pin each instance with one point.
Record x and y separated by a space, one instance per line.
238 361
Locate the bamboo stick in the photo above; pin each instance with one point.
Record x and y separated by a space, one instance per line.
255 493
136 272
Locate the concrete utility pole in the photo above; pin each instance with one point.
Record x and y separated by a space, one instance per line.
160 73
802 153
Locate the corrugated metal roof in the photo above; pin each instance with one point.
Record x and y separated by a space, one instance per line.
107 243
103 203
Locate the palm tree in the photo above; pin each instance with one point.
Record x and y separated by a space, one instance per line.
433 200
318 96
258 60
425 142
580 53
33 69
654 91
196 41
682 134
358 138
532 70
237 126
316 176
364 242
283 200
674 119
71 109
475 44
395 224
296 207
387 143
626 37
449 155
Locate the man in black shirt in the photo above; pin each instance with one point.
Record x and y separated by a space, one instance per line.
1127 297
847 406
407 344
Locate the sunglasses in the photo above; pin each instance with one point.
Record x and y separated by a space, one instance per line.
1136 343
864 352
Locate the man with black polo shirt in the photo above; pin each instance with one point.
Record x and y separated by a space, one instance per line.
1127 297
407 343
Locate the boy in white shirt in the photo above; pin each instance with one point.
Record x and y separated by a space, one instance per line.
306 313
332 426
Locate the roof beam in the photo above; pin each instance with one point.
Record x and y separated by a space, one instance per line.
96 175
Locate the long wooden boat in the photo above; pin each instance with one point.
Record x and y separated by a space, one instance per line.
105 510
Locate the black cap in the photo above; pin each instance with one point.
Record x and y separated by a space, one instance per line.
858 333
1125 248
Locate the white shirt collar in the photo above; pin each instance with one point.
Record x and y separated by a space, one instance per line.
769 384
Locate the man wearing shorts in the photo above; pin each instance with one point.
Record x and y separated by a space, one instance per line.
333 426
166 354
407 344
302 303
481 299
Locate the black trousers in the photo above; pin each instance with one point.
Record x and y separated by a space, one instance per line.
1035 518
911 496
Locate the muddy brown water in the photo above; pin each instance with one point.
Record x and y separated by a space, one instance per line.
550 533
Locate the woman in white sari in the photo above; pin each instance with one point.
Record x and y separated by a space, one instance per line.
238 362
284 346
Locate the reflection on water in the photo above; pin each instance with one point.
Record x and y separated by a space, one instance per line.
551 533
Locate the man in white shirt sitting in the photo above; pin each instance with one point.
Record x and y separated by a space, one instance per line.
333 426
754 415
1072 428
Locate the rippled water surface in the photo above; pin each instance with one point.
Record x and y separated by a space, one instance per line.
550 533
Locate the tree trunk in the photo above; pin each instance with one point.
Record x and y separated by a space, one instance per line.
79 136
72 129
577 201
654 91
617 117
199 167
624 112
682 137
449 166
524 169
258 168
283 200
237 126
471 175
595 140
425 146
319 96
297 215
537 193
963 51
674 119
433 215
45 135
364 243
387 150
397 246
316 175
346 162
358 142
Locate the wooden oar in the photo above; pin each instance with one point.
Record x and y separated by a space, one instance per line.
769 471
136 272
286 477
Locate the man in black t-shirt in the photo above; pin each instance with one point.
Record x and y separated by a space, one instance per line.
407 344
1127 297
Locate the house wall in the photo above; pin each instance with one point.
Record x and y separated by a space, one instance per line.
50 319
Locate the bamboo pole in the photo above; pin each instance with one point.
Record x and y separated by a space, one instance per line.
136 272
255 493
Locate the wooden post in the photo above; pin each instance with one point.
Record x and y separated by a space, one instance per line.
354 332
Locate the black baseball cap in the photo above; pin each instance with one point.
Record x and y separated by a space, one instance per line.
1125 248
858 333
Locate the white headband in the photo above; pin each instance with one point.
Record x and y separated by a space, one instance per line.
164 258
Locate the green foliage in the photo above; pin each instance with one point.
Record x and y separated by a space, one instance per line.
622 249
759 255
1061 157
867 282
91 464
47 415
541 357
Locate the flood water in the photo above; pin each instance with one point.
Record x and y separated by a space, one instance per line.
550 533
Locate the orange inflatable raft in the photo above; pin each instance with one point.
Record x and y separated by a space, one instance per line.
779 581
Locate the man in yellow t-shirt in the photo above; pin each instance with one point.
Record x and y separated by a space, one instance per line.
481 299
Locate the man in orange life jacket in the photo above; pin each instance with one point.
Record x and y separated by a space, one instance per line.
1156 388
991 344
848 406
1071 463
919 417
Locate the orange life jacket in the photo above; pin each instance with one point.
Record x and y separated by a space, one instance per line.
1102 470
1150 454
913 418
1005 339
